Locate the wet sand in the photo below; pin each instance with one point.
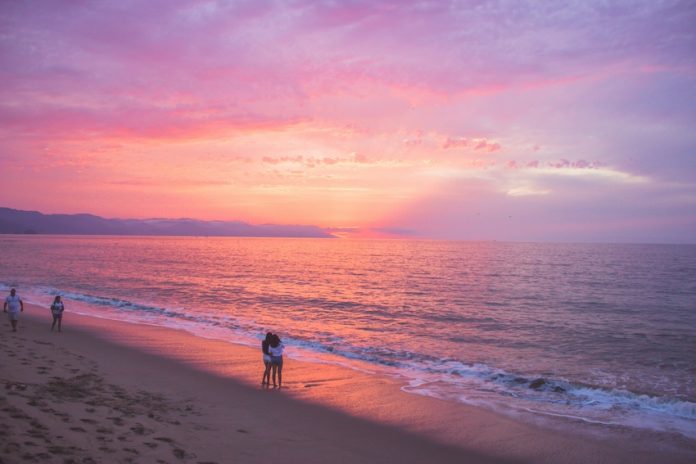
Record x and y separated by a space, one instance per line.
105 391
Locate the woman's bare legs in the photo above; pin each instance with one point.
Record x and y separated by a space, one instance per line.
266 379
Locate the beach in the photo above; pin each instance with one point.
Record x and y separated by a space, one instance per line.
471 223
111 391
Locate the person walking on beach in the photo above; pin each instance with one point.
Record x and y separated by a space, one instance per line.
265 344
57 309
13 306
276 350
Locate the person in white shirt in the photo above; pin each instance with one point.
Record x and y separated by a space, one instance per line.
13 306
57 309
276 350
265 344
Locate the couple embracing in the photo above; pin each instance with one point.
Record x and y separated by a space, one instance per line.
272 349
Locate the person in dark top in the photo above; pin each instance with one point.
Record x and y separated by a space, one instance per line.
266 379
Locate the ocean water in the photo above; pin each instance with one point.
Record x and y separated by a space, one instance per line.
588 333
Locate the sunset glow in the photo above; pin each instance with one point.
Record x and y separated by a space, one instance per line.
462 120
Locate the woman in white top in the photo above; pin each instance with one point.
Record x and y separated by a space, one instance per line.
57 309
276 350
265 344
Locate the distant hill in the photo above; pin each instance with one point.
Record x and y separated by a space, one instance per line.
13 221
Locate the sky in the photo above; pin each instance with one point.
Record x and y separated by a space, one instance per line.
474 120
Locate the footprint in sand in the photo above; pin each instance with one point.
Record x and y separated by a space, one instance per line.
12 447
37 425
58 450
181 454
116 421
139 429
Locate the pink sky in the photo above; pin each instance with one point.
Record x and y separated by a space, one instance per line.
564 121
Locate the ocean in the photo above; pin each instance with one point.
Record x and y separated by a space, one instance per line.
583 333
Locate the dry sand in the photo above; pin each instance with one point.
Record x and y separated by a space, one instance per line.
107 392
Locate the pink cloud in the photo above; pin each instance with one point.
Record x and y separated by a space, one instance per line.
579 164
361 158
487 146
474 144
561 164
93 88
127 63
312 161
455 143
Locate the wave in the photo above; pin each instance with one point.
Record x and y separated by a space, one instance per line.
448 378
571 395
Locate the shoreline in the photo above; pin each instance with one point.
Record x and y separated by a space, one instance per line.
326 412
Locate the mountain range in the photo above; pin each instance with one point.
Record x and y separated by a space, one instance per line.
13 221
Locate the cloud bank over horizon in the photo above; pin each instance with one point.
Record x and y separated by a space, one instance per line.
565 121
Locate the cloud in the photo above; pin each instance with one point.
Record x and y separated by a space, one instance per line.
207 68
324 109
316 160
283 159
527 191
158 182
560 164
485 145
474 144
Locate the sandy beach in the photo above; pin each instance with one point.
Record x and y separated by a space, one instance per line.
106 391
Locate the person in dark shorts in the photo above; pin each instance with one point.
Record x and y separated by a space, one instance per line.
13 306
